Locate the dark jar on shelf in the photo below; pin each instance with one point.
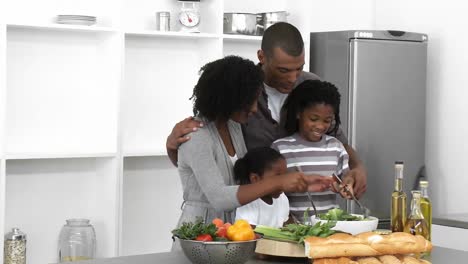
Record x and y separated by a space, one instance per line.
14 247
77 241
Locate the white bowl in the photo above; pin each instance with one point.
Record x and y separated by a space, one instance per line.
352 227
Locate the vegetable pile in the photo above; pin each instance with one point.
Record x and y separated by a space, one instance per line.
337 214
296 233
217 230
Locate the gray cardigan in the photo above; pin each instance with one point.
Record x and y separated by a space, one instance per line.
206 173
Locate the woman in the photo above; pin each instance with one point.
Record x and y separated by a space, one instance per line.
225 95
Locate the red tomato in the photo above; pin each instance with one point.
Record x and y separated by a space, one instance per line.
222 232
204 237
227 225
218 222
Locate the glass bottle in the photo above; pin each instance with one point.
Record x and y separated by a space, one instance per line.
398 208
15 247
426 206
416 224
77 241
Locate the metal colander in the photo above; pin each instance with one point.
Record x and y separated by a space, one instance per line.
218 252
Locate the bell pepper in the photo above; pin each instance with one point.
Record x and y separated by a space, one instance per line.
241 230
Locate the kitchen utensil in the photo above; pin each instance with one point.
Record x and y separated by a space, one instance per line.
280 248
240 23
265 20
214 252
298 168
364 209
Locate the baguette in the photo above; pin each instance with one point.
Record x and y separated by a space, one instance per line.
341 260
372 260
365 245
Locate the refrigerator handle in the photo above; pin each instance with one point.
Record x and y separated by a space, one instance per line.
351 207
352 95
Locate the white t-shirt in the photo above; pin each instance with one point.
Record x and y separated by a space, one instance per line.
275 101
260 213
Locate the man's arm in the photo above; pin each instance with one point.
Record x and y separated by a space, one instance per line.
358 172
179 135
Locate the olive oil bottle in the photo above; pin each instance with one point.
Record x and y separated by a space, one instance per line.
416 224
426 206
398 209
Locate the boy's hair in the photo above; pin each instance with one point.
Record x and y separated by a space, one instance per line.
284 36
307 94
226 85
257 160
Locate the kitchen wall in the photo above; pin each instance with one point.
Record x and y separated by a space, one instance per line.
445 23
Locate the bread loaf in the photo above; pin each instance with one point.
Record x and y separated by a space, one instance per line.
342 260
365 245
385 259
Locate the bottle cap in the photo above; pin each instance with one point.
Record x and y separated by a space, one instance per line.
399 162
416 193
15 234
424 184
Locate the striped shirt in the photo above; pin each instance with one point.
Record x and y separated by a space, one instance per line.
324 157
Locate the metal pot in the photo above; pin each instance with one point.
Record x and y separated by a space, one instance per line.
265 20
240 23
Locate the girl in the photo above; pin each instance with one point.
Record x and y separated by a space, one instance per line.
262 163
312 112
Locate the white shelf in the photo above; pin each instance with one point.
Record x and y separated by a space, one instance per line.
171 34
62 27
72 88
42 194
230 37
154 185
27 156
145 154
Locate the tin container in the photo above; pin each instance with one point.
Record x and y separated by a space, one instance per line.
163 21
15 247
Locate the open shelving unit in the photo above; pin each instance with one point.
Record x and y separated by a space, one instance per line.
85 112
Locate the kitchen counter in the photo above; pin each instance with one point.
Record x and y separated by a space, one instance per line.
452 220
439 255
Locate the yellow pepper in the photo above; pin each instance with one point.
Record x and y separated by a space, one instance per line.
240 231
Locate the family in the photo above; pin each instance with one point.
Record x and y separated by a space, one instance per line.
262 137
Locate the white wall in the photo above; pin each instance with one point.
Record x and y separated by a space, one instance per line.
446 129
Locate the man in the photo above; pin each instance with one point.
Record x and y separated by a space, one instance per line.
282 60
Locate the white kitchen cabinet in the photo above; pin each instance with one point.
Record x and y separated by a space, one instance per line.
449 237
85 112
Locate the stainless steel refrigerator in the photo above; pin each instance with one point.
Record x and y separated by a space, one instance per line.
381 76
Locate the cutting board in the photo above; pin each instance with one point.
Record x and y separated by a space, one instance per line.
280 248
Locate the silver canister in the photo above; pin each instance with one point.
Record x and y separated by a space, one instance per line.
163 20
14 247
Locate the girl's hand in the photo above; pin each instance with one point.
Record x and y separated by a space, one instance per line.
318 183
293 182
340 188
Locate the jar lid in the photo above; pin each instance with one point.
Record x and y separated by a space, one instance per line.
15 234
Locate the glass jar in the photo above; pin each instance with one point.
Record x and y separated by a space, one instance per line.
77 241
15 247
416 224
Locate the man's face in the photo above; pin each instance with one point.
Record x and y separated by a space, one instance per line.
281 70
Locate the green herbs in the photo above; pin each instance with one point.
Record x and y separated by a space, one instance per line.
296 232
192 230
337 214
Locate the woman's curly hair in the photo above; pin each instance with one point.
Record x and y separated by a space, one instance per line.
227 85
